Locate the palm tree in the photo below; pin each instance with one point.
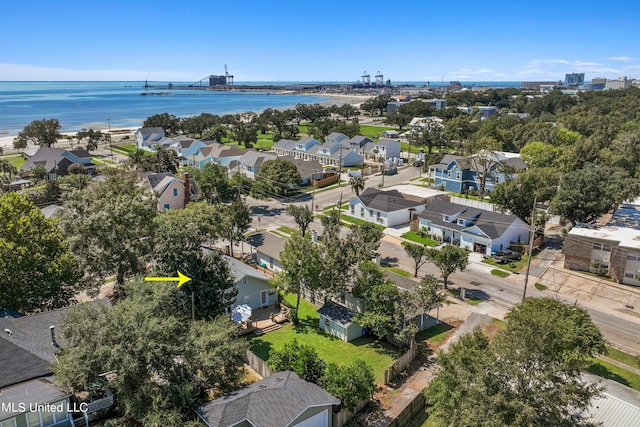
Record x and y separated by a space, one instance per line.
357 184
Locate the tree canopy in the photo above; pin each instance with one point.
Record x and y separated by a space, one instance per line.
449 259
45 133
110 228
274 178
529 375
37 270
162 364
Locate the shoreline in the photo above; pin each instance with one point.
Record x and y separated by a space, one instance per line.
6 141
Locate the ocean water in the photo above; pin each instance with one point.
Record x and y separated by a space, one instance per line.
80 105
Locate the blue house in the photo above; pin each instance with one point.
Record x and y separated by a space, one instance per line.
460 174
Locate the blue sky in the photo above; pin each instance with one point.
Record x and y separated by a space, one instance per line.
318 41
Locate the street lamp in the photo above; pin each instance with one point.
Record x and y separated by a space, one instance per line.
110 144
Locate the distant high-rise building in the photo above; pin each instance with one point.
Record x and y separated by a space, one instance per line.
574 79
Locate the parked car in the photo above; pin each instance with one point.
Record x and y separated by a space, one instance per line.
506 256
125 137
418 163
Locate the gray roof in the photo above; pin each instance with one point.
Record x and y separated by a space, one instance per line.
305 167
386 201
160 181
447 159
253 158
285 144
272 402
27 352
35 392
336 137
51 211
239 269
493 224
51 158
337 313
268 244
146 132
360 140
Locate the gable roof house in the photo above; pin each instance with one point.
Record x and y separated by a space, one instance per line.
249 163
459 174
359 141
268 248
57 161
301 149
336 137
185 146
283 399
148 138
308 169
253 286
172 192
387 208
335 154
28 347
475 229
385 148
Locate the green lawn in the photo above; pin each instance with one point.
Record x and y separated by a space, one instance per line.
330 348
353 220
500 273
399 271
517 265
373 131
415 237
541 287
621 356
611 372
288 230
265 141
435 334
128 148
16 161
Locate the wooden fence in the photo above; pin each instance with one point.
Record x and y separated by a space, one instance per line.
410 412
343 417
399 365
258 364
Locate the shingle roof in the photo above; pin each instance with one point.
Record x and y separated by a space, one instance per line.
305 167
27 352
386 201
493 224
272 402
268 244
29 393
337 313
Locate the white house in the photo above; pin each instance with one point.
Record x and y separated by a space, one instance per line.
385 148
387 208
149 138
475 229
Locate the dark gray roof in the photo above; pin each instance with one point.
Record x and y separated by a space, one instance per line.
386 201
159 182
27 352
305 167
50 158
446 160
493 224
272 402
337 313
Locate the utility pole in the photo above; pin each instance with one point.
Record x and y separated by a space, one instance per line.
532 234
340 177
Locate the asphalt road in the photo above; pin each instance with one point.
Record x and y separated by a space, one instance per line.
500 294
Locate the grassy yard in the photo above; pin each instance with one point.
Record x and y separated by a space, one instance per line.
288 230
435 334
353 220
515 266
611 372
127 148
330 348
16 161
415 237
621 356
265 141
373 131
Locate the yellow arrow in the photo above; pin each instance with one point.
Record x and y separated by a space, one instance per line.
181 279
